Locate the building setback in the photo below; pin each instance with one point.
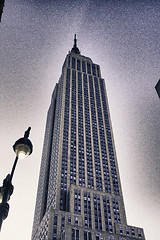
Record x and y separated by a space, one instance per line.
79 193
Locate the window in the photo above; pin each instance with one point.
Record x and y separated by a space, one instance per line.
116 210
139 234
87 210
133 232
76 221
120 230
98 70
69 219
55 225
78 65
83 66
62 221
77 201
107 214
87 235
73 62
63 235
127 231
97 212
88 68
75 234
69 61
94 69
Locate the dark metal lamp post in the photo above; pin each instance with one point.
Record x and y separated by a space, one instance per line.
23 148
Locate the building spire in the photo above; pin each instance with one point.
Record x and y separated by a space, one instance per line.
75 48
75 41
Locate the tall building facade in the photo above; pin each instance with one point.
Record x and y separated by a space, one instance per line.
79 192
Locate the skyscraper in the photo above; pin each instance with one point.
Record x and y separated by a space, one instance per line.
79 192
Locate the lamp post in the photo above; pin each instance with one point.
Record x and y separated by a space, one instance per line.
23 148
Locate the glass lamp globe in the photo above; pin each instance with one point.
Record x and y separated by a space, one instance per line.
23 148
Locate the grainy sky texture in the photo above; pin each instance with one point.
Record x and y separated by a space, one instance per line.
123 37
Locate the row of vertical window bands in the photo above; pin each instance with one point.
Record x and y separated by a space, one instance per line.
97 210
107 215
87 210
130 232
109 139
88 136
55 224
80 129
65 145
75 235
65 148
84 66
87 235
114 176
95 138
116 210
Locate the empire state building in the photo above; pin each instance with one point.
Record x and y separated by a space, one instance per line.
79 193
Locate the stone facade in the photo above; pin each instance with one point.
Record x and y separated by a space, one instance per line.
79 195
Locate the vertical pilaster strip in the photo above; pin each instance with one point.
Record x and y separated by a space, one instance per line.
69 133
91 130
84 133
95 97
61 139
77 141
106 145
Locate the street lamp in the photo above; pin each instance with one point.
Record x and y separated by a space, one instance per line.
23 148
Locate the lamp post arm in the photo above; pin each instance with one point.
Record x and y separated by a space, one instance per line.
7 188
13 168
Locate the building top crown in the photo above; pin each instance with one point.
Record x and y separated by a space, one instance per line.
75 48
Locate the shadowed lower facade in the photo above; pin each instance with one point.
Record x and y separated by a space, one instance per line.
79 193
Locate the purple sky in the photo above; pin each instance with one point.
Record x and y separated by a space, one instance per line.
123 38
